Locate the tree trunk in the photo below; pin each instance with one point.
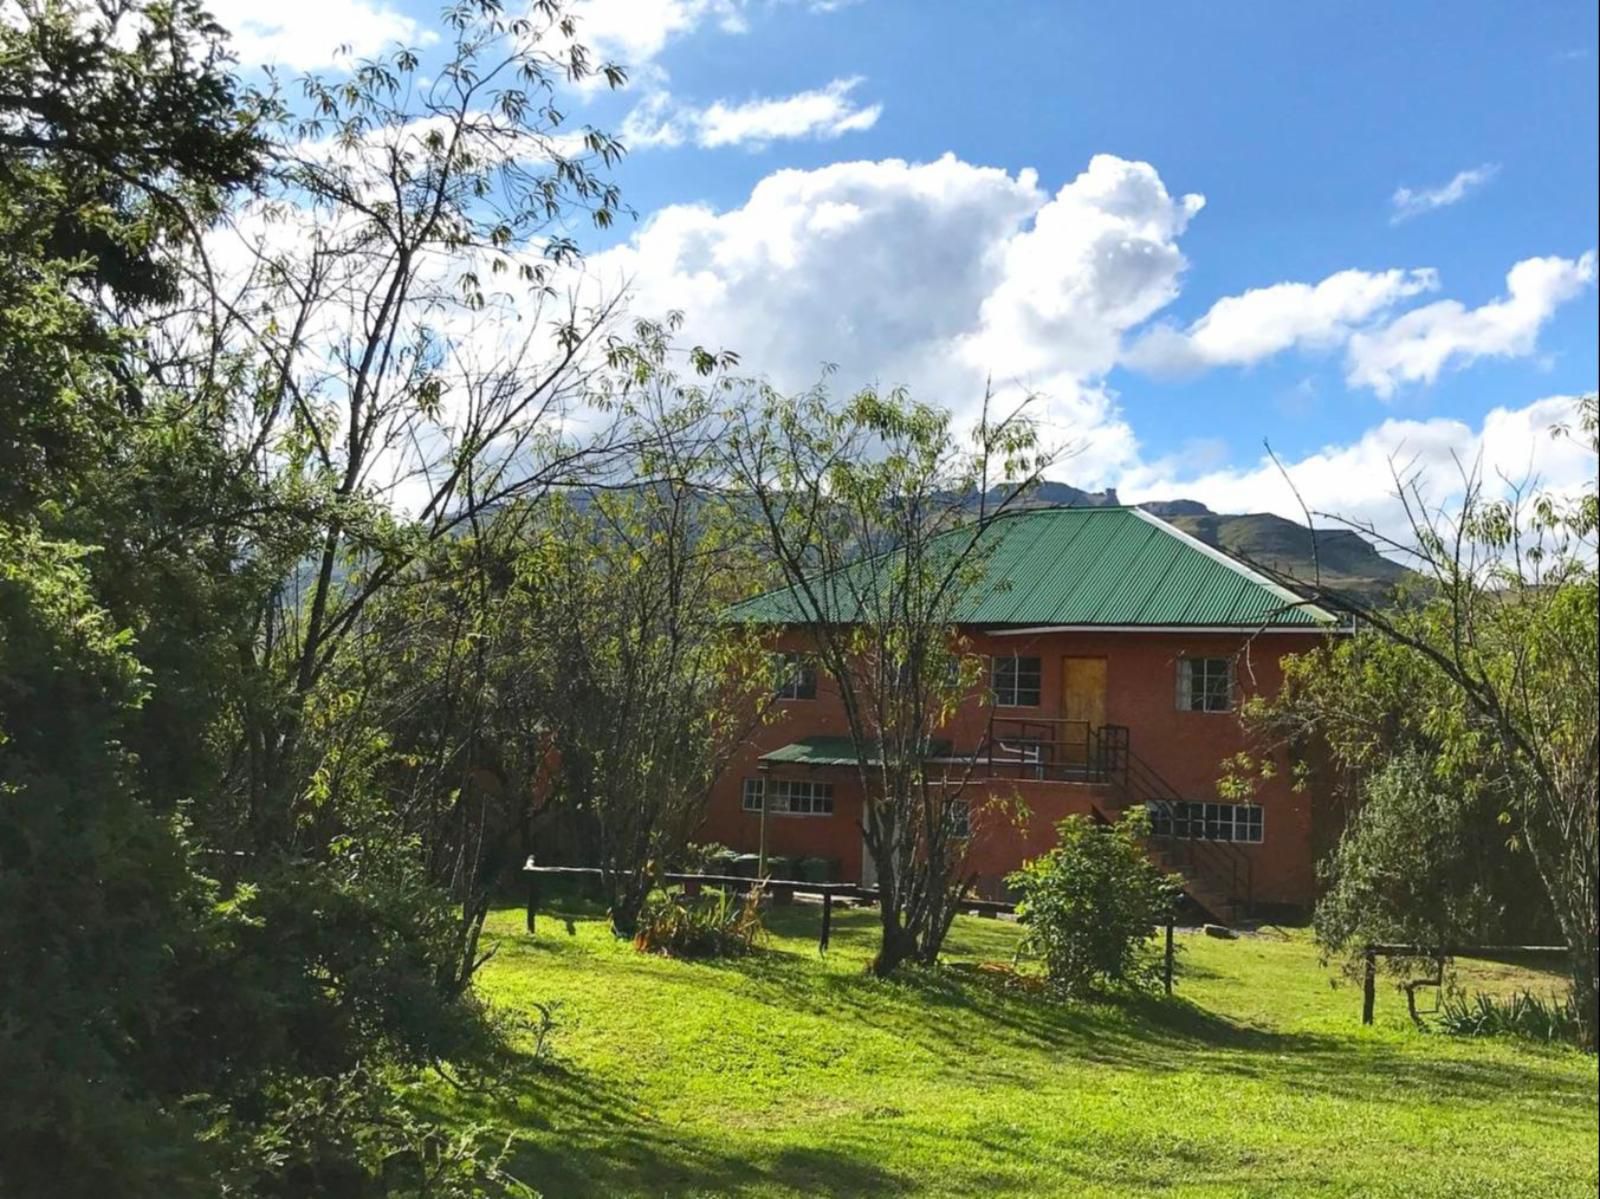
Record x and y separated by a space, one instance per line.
899 943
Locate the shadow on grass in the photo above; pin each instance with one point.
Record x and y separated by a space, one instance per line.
581 1137
946 1010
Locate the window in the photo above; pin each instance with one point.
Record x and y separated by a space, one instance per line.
1207 821
1205 684
1015 682
797 678
790 797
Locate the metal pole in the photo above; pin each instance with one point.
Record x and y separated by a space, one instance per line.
827 921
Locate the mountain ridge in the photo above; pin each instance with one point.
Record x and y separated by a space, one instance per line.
1345 560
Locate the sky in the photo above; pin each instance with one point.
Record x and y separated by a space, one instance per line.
1362 232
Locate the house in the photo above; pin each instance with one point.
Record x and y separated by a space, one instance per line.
1118 652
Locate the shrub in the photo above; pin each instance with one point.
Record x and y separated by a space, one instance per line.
713 925
1521 1014
1090 906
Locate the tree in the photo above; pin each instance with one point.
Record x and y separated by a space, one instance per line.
881 524
1490 673
221 949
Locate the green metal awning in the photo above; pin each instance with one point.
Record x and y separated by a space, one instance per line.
833 751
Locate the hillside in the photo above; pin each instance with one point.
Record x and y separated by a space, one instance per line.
1349 562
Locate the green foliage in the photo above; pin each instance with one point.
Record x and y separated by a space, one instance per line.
1423 861
1484 683
713 924
1521 1014
1090 906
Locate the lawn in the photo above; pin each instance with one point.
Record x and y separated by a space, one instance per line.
793 1074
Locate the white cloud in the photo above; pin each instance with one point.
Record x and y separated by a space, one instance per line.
1242 330
821 114
932 274
304 35
1408 202
634 32
1356 480
1418 345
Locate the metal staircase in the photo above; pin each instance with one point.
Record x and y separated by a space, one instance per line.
1218 876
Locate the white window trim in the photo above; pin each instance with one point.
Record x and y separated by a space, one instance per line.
1185 685
819 790
1234 821
995 660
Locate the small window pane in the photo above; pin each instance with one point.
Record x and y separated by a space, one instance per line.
797 678
1016 682
1205 684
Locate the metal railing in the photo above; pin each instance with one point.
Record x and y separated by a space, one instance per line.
1054 750
1214 862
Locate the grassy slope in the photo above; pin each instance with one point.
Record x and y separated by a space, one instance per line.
789 1075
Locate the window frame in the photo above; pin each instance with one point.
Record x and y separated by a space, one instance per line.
1190 820
797 678
1016 692
1187 690
819 797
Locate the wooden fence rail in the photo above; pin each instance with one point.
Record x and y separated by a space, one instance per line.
1436 953
782 888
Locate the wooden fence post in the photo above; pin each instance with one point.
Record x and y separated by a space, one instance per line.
1167 972
1369 985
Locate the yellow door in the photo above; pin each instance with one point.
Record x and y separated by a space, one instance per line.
1083 704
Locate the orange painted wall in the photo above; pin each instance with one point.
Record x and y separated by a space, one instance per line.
1186 748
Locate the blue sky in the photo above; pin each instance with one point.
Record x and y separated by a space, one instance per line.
879 184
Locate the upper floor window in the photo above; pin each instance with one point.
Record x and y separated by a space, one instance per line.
797 678
1205 684
789 797
1015 682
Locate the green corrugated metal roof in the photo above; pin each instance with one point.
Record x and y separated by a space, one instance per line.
1097 566
831 751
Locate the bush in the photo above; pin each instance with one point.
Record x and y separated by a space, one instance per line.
714 925
1520 1014
1090 906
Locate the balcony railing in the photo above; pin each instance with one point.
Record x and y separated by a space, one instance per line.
1070 751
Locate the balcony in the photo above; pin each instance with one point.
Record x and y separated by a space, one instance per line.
1062 751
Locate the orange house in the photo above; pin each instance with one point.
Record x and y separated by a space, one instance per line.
1118 651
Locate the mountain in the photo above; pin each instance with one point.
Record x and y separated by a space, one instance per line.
1348 561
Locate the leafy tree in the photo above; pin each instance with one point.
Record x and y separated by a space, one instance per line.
1090 905
1486 683
878 520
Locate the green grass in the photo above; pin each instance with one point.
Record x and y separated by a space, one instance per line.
790 1074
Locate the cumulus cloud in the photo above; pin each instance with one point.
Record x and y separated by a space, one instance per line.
1408 202
820 114
937 275
1417 345
304 35
1356 480
1244 329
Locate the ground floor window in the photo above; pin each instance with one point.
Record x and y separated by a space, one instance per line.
1211 821
789 797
